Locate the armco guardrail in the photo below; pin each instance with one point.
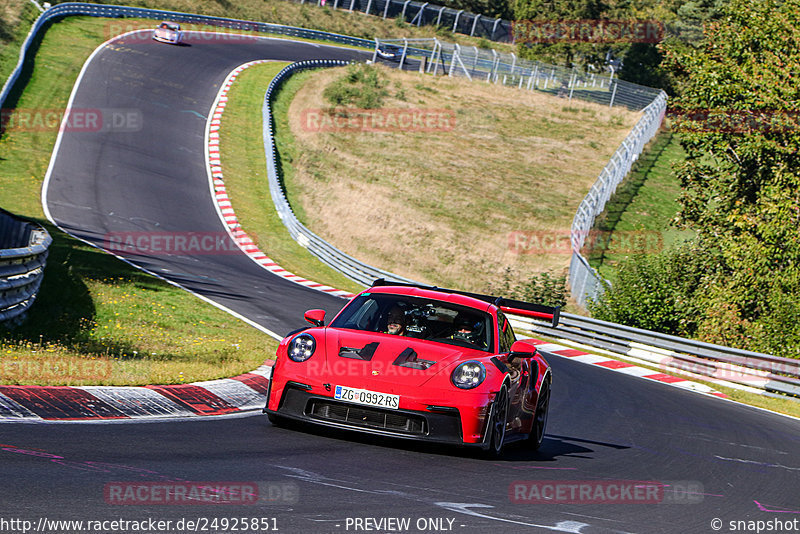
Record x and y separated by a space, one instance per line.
23 251
327 253
671 353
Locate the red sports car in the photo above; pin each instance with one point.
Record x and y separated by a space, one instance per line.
417 362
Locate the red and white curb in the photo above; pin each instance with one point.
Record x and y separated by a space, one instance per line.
243 393
223 203
623 367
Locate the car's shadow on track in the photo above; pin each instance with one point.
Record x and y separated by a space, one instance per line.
551 450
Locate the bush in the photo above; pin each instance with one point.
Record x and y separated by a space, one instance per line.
361 87
662 292
547 288
544 288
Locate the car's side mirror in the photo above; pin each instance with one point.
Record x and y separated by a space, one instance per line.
521 349
315 317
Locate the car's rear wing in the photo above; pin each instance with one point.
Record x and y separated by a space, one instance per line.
515 307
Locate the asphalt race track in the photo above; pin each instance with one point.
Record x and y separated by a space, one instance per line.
710 459
149 175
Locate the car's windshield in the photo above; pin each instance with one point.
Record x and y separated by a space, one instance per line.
419 318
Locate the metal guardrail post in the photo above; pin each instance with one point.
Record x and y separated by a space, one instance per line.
494 29
418 16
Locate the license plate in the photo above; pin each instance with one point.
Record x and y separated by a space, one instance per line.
370 398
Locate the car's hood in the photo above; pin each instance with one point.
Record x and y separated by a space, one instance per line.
369 359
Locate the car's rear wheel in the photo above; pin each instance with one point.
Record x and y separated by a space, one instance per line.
540 419
497 423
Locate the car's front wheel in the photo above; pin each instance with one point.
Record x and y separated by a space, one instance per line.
497 422
540 419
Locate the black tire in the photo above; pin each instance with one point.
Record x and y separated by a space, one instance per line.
497 423
540 418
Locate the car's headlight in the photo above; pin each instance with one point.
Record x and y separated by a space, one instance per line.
468 375
301 348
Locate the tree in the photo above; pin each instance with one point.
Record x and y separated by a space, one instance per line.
737 111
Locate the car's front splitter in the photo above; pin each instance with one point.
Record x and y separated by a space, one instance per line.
436 424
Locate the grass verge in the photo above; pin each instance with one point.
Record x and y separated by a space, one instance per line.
16 18
98 320
637 218
242 149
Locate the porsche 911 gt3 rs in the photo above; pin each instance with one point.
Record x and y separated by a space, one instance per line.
418 363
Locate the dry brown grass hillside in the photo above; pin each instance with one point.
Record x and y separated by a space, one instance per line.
444 206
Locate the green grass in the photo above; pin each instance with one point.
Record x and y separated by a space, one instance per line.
15 22
637 218
242 149
91 306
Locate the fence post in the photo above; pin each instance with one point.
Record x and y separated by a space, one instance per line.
474 23
494 28
455 22
405 5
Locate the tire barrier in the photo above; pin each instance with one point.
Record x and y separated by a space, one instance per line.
23 252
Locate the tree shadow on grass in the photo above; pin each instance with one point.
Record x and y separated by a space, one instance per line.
64 311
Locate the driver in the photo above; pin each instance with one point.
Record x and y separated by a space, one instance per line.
396 321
